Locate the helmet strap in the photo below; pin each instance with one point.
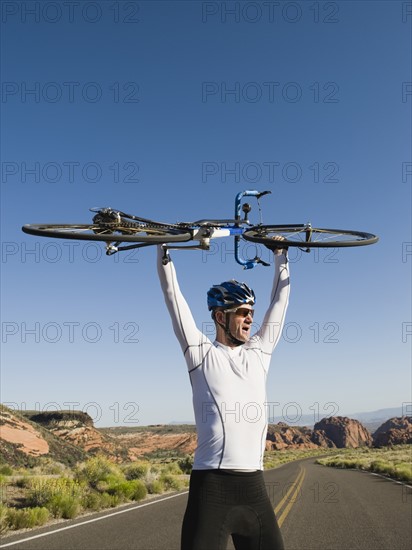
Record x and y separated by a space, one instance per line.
229 335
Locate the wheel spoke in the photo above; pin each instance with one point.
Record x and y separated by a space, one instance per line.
137 233
307 236
323 237
316 235
95 230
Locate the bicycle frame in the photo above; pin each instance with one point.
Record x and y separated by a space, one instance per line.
204 230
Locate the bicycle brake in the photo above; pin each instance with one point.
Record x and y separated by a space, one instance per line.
263 193
260 261
250 264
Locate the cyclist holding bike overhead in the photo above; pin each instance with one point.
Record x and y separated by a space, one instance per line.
227 493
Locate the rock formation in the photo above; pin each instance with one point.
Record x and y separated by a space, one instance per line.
24 435
344 432
396 431
77 428
281 436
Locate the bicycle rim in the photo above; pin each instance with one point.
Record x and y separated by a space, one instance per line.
309 237
93 232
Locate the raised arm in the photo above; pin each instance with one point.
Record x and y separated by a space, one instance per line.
191 340
269 333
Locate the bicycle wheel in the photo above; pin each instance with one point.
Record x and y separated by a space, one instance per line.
305 236
93 232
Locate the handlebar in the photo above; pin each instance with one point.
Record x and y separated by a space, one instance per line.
247 264
247 193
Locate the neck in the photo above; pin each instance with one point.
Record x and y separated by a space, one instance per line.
227 340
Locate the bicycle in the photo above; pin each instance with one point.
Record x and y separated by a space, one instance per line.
115 228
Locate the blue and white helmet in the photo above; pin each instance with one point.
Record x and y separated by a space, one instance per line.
230 294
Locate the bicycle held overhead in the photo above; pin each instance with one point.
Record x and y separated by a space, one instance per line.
115 227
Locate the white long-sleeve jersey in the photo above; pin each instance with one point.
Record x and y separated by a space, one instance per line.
229 385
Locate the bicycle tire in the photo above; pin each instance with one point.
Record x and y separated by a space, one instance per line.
93 232
297 235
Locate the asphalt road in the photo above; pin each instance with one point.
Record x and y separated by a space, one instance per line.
318 508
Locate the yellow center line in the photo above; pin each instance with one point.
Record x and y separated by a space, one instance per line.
295 488
293 485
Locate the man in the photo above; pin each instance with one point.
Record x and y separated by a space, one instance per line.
227 494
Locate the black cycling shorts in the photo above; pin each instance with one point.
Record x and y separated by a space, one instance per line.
227 502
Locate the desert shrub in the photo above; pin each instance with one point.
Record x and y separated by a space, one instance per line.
136 470
151 476
92 501
64 506
111 481
338 462
139 489
155 487
172 468
96 501
133 489
114 500
48 466
43 490
38 516
186 464
3 493
3 518
404 472
171 482
6 470
26 518
120 488
95 470
348 463
380 466
23 482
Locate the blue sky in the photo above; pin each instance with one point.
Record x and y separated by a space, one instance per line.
167 110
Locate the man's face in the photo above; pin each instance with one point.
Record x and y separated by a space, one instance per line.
240 322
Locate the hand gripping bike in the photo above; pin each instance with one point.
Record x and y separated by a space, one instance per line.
115 228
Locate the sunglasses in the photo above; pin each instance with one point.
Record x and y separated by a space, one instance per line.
242 311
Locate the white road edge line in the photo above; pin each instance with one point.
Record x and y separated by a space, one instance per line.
397 481
92 520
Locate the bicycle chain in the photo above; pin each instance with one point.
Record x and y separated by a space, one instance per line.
121 223
137 225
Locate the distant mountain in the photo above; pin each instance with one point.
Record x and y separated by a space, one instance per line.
369 419
380 414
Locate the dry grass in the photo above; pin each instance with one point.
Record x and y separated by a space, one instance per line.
395 462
